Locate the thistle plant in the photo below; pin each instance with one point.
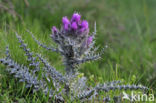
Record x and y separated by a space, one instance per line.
76 45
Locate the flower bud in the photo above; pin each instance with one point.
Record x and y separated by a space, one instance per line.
89 40
84 26
54 30
74 26
76 17
66 23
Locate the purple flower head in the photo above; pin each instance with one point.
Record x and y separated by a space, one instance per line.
74 26
76 17
65 20
84 25
66 23
89 40
54 30
66 27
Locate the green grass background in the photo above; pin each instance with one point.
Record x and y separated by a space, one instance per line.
126 26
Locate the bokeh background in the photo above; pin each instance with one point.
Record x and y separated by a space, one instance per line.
127 27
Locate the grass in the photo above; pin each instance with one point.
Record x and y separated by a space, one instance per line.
126 26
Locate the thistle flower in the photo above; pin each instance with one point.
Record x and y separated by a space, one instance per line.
54 30
66 23
74 26
76 17
84 26
89 40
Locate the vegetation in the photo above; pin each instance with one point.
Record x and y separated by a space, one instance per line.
127 27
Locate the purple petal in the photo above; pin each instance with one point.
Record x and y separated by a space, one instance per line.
90 39
54 30
84 24
76 17
66 27
65 20
66 23
74 26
